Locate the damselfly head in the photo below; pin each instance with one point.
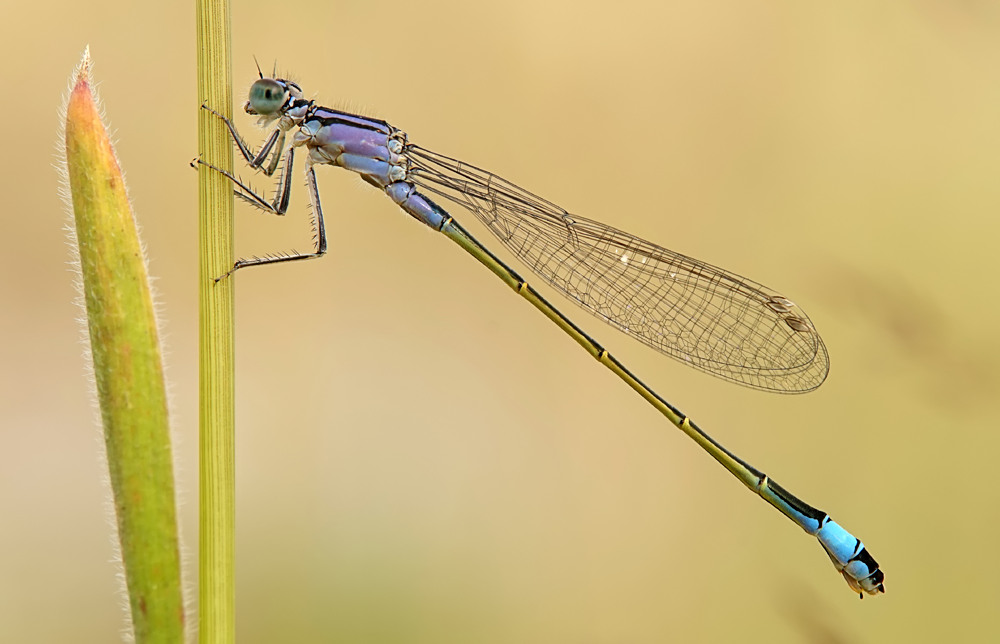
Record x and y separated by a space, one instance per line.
269 97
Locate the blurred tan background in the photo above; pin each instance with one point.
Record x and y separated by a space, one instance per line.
424 458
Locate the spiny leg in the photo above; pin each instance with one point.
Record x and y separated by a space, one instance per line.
319 232
317 209
278 205
255 161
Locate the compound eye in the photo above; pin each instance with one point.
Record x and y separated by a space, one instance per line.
267 96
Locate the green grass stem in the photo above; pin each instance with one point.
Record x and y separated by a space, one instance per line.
217 489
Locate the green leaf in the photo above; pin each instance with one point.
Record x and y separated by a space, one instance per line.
127 368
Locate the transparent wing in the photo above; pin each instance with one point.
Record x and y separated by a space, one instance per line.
702 315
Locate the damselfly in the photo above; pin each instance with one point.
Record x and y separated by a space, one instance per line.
709 318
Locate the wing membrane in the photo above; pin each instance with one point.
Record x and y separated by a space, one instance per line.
707 317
